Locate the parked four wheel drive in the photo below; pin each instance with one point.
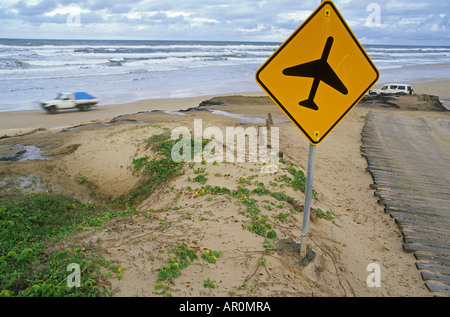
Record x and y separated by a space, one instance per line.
392 89
80 100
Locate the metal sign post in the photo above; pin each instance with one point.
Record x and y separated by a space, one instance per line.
308 197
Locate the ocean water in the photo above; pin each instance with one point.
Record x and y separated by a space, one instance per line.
124 71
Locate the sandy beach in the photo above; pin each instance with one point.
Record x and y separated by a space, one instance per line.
16 121
19 121
100 146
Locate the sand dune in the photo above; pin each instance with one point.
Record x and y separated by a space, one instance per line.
102 151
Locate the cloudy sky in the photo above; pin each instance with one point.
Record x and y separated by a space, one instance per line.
416 22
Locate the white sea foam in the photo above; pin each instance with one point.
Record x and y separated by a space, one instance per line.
32 70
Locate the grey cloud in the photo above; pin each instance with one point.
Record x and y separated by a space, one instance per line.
34 10
120 8
6 14
99 5
243 19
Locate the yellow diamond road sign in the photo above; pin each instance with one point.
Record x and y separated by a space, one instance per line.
319 73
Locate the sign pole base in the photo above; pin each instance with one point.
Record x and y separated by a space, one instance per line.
308 197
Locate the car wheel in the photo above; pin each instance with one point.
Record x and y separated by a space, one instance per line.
51 109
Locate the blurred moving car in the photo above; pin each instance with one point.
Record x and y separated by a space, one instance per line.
80 100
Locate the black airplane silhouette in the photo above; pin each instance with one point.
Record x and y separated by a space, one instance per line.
320 70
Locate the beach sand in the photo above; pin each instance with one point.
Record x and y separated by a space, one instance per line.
12 122
103 151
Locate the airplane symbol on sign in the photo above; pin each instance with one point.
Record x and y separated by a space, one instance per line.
320 70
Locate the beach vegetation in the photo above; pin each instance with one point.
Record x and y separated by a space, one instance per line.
160 168
209 284
202 179
268 245
282 216
179 258
257 223
30 225
199 170
211 256
327 215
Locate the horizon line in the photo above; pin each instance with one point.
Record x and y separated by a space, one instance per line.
178 40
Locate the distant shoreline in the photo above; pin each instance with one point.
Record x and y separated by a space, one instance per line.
17 122
403 74
120 72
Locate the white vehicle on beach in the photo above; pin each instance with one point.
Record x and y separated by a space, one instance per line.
404 89
80 100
